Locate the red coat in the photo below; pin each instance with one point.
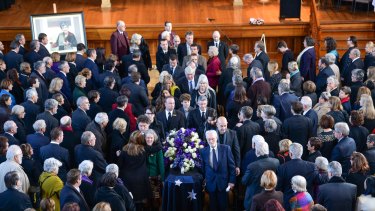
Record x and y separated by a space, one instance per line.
213 66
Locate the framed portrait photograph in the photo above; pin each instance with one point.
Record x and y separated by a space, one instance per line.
63 30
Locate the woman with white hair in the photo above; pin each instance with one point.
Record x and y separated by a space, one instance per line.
143 47
50 184
213 67
301 200
17 115
118 138
321 164
87 187
333 86
204 89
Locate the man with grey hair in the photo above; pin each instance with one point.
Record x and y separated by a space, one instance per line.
32 56
63 74
332 63
13 163
296 166
119 40
283 101
255 170
251 62
197 117
333 86
71 138
356 63
188 83
80 119
39 70
260 90
12 59
17 115
38 139
201 60
356 82
49 74
218 180
10 129
97 126
325 71
310 113
344 148
86 151
32 108
21 40
262 56
222 47
50 109
337 194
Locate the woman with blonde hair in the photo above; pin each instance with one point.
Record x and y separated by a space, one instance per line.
268 181
203 88
275 75
358 172
283 155
213 67
362 90
369 57
55 88
118 138
55 56
86 72
337 111
102 206
73 71
367 106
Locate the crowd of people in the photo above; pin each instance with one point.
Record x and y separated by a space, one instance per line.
82 132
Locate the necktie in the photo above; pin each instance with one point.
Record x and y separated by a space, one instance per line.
203 116
172 70
216 45
169 116
214 159
190 86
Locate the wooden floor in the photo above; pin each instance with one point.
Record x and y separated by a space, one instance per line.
143 13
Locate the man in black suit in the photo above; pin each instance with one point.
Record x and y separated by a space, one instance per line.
20 38
80 58
351 42
107 95
49 74
197 117
12 198
184 48
344 147
138 98
12 59
50 108
357 76
10 129
173 68
110 70
54 150
356 63
247 130
310 113
80 119
370 152
140 66
169 117
251 62
63 74
1 50
262 56
296 166
71 138
222 47
324 72
86 151
38 139
283 101
43 40
97 126
91 65
71 193
32 56
122 102
163 54
288 55
32 108
228 137
39 70
297 128
337 194
187 84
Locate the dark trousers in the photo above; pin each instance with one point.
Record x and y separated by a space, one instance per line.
218 200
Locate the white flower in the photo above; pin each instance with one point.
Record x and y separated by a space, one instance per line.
170 158
185 144
194 155
189 147
182 170
186 150
201 146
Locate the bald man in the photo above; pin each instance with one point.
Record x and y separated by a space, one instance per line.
119 40
229 137
222 46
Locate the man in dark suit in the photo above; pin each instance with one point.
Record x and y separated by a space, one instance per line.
337 194
139 98
370 152
97 127
351 42
228 137
140 66
163 54
43 40
324 72
218 170
356 63
71 138
39 70
259 89
107 95
32 108
255 170
54 150
71 193
222 47
307 60
288 55
251 62
184 48
91 65
262 56
282 102
197 117
80 58
119 40
169 117
247 130
32 56
64 70
20 38
80 119
10 129
110 70
344 147
357 76
310 113
38 139
49 74
12 59
86 151
13 198
173 68
50 108
118 112
188 83
296 166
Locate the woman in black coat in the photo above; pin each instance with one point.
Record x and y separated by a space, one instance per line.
106 192
233 106
17 90
118 139
202 88
93 97
337 111
358 172
87 185
357 131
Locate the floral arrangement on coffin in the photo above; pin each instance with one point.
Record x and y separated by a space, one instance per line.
181 149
